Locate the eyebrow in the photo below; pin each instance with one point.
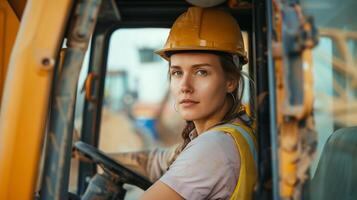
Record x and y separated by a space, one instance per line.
193 66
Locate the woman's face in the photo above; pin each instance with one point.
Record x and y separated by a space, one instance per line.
199 86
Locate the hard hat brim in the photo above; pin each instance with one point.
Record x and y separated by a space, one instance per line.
165 52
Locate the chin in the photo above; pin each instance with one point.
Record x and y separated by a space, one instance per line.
188 116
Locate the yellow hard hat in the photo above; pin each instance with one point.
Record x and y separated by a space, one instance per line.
206 29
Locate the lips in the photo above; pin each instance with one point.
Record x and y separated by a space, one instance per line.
188 102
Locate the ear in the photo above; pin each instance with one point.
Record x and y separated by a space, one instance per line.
231 85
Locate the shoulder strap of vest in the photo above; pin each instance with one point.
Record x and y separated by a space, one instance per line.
246 144
246 132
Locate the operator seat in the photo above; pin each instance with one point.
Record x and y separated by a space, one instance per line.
336 173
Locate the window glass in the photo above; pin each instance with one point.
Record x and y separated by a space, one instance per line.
136 93
335 108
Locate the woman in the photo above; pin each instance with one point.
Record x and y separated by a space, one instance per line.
216 161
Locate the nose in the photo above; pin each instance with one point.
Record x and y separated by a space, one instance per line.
186 84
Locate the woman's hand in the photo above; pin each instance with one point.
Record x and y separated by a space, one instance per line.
79 156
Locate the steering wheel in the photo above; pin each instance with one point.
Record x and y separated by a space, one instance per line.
125 175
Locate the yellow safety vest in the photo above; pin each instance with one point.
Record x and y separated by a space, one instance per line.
247 146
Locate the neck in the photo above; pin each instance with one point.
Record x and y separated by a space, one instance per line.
203 125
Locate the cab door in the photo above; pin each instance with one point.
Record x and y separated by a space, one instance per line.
26 90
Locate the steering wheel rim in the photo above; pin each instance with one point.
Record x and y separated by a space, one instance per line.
126 175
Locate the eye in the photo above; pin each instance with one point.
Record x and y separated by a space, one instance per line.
176 73
201 72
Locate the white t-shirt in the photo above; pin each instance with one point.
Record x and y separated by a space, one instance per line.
208 168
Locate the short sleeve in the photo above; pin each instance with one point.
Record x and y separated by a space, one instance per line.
207 168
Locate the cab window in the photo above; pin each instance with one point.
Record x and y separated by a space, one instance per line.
335 108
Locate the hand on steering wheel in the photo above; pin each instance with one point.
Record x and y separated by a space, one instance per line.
124 174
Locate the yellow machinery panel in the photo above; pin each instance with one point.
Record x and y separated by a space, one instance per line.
24 106
9 24
18 6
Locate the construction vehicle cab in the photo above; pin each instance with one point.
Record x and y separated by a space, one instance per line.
85 71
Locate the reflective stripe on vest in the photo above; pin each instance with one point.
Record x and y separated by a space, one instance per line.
246 146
